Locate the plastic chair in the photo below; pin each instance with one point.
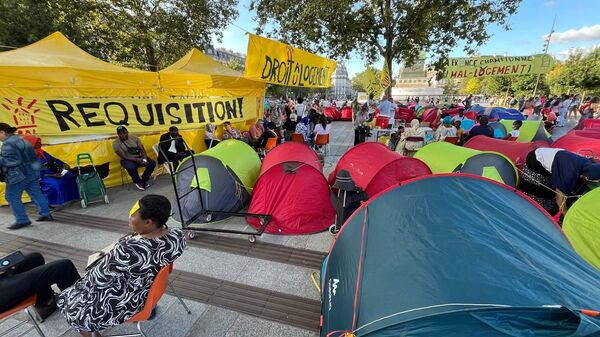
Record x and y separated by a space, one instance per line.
322 140
164 168
451 140
24 305
411 152
270 145
160 284
298 137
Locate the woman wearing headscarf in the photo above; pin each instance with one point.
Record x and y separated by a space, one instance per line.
446 129
415 130
57 182
302 128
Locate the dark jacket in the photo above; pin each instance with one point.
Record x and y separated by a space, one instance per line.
179 146
19 161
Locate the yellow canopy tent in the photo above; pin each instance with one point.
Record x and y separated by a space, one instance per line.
197 74
55 67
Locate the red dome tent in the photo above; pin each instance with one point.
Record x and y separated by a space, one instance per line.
516 151
374 167
590 133
591 123
332 113
405 113
430 115
291 187
588 147
346 113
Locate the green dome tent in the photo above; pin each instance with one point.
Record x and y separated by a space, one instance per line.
530 131
225 176
443 157
582 227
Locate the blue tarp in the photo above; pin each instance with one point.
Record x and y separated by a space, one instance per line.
449 259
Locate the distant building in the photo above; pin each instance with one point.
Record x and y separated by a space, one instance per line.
342 86
225 56
416 81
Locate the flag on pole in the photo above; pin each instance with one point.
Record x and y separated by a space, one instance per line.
371 81
385 80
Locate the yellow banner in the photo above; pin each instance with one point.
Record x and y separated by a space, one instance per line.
85 116
466 67
278 63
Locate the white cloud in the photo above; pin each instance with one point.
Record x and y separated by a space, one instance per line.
582 34
574 50
550 3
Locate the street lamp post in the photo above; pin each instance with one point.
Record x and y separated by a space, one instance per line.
546 45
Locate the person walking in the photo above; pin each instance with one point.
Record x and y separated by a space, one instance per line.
21 169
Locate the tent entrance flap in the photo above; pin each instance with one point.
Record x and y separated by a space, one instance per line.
193 188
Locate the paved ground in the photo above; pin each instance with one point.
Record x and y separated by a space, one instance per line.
205 320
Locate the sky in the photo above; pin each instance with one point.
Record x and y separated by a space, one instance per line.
577 26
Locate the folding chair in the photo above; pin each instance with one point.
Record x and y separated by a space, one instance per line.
24 305
124 177
451 140
298 137
323 141
164 168
160 284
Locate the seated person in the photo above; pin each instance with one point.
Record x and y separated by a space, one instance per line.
514 133
269 133
302 128
446 129
58 183
460 132
210 139
321 128
256 131
415 130
230 132
175 150
289 126
482 129
34 276
116 285
133 155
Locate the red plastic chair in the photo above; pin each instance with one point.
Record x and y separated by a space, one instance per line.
298 137
322 141
160 284
24 305
451 140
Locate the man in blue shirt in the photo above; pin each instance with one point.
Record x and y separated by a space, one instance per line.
482 129
386 108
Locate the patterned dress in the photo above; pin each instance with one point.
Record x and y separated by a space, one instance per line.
116 288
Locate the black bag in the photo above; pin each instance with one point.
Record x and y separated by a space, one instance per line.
132 150
2 175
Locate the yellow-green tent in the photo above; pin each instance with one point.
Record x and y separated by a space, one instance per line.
530 131
582 226
443 157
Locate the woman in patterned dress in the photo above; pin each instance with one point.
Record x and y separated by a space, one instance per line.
115 288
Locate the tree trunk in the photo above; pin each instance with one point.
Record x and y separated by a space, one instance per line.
389 59
150 56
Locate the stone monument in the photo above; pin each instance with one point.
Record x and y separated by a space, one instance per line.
416 81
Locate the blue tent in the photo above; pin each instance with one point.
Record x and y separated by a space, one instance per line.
499 130
456 256
511 114
477 108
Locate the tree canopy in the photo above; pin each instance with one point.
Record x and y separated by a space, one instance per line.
397 30
146 34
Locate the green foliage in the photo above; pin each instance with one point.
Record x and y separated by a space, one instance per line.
146 34
360 81
470 86
396 30
234 64
577 74
451 87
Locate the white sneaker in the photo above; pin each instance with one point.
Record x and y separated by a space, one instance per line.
140 187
